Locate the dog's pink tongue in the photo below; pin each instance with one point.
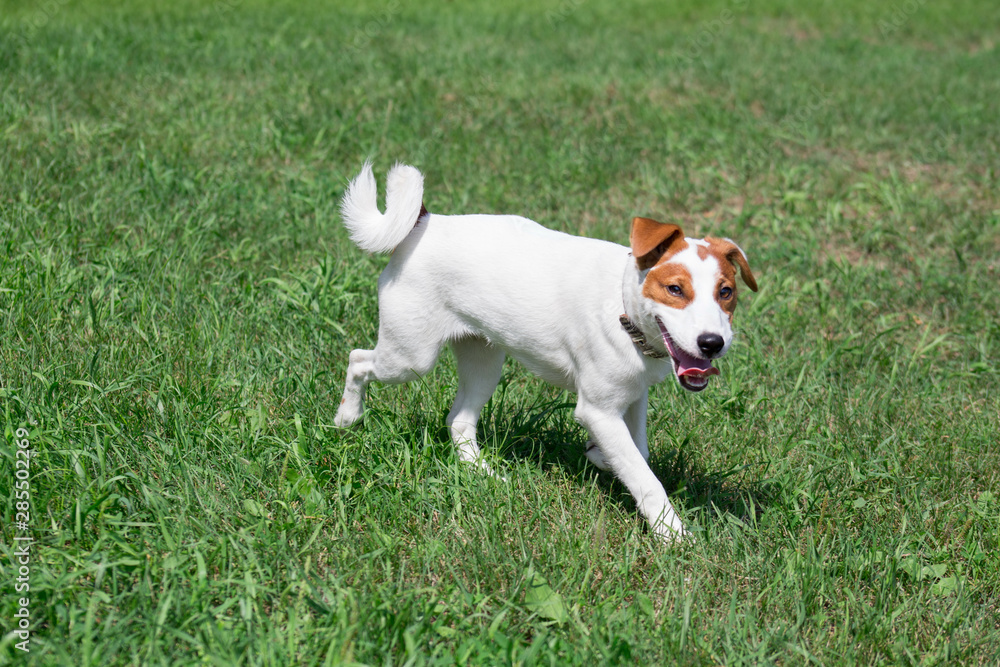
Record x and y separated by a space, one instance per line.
688 365
704 368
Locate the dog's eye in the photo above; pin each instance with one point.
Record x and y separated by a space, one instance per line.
726 292
675 290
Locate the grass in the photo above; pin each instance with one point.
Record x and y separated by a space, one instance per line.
178 300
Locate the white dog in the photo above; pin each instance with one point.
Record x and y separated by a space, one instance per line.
586 315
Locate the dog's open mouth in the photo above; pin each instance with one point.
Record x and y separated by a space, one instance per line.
692 372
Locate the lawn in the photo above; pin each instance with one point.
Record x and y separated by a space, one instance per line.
178 300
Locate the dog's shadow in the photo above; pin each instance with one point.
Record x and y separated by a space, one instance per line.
544 433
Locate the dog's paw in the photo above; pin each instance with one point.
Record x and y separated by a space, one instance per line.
671 537
485 467
343 422
477 461
348 414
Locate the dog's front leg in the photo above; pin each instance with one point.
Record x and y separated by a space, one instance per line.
611 435
635 419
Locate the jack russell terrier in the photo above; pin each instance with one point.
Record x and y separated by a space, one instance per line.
589 316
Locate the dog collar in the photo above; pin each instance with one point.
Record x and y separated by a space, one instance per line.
634 332
639 338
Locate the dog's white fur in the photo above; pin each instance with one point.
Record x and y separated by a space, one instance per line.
496 285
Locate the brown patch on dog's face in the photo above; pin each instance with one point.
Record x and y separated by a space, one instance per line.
725 286
730 256
670 284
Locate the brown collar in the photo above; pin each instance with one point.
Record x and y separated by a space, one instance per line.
639 338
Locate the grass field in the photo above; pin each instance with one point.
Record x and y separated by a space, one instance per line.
178 300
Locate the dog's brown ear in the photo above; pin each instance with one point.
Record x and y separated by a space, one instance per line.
650 240
736 257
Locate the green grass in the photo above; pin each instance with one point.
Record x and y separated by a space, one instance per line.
178 300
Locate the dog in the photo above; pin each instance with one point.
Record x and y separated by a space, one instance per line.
592 317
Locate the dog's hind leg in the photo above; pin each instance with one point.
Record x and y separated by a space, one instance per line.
479 368
392 362
360 373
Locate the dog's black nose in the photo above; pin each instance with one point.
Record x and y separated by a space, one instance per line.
710 344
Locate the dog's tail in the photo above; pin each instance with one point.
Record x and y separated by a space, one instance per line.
370 229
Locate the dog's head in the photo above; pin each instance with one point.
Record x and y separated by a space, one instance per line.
689 291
